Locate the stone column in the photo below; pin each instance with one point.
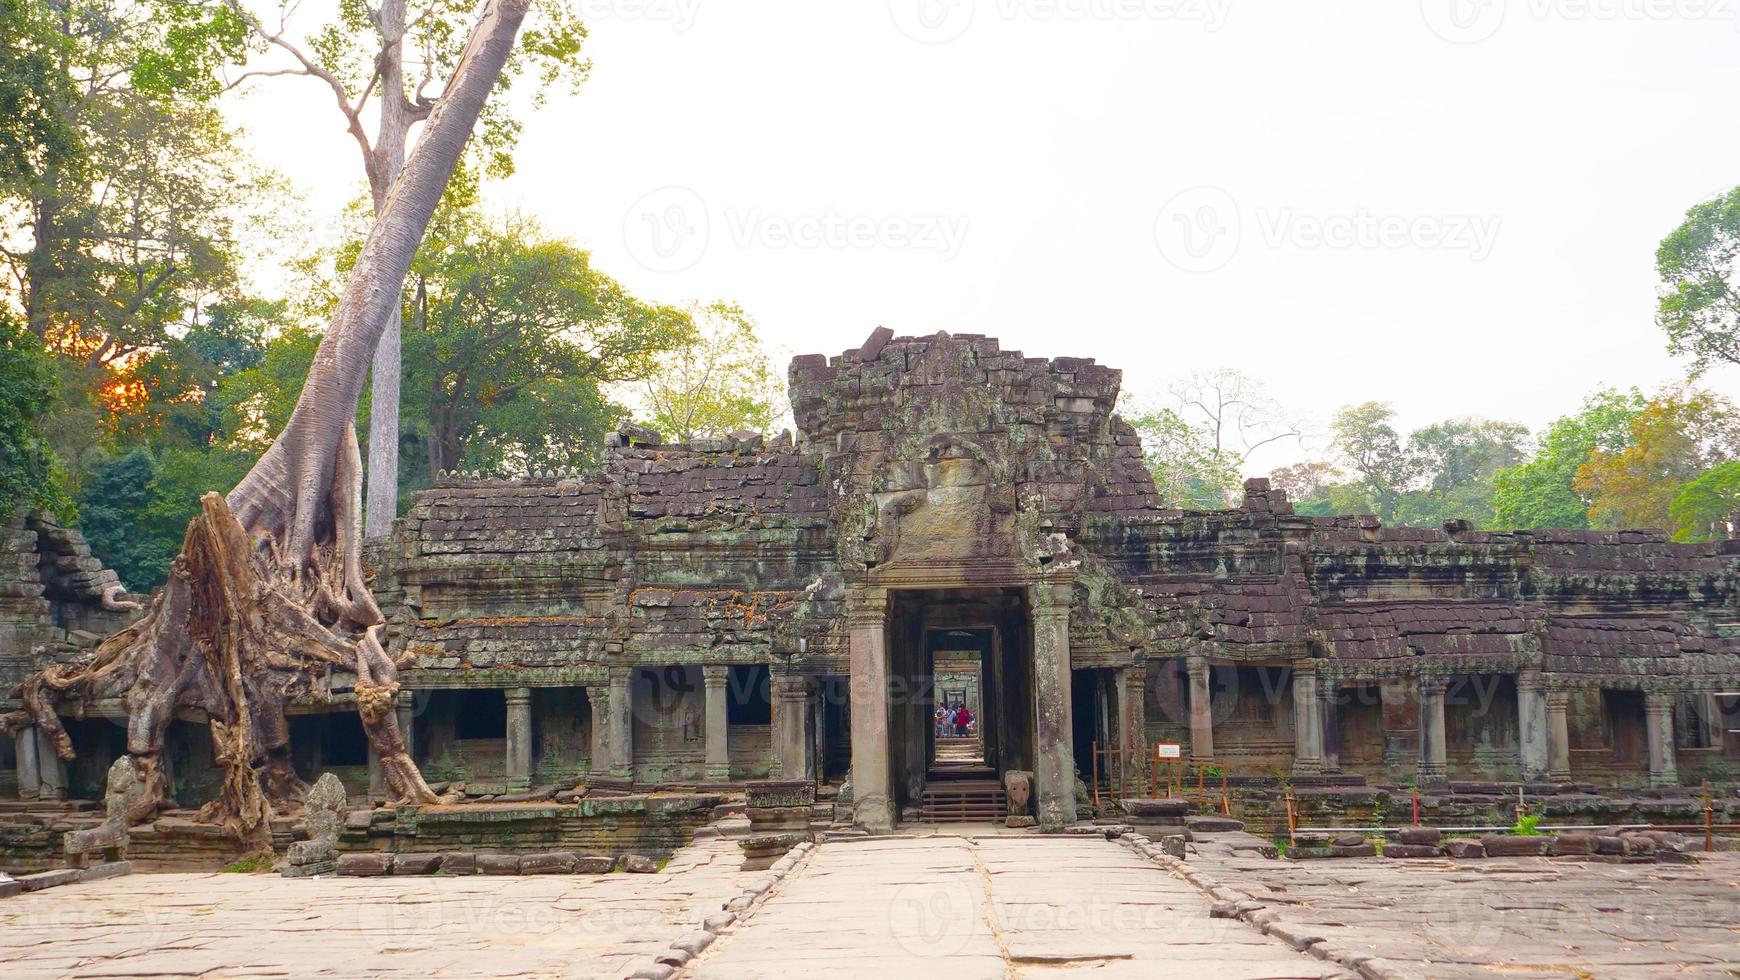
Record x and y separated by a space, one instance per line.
622 722
1434 760
1532 726
598 755
713 680
29 776
1558 737
867 649
519 739
1201 709
1329 700
50 771
1133 726
1401 726
791 704
1307 722
1053 733
1658 714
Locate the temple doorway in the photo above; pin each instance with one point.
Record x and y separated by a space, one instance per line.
965 651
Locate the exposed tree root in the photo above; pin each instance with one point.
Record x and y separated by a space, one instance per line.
267 598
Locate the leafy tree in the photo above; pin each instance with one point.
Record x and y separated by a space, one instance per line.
1698 306
1454 462
1540 492
512 335
718 380
30 477
1364 436
392 51
1702 508
1188 471
1674 438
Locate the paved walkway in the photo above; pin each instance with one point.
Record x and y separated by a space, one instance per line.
1002 906
233 925
1505 917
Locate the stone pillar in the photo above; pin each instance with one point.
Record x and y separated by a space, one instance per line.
1558 737
714 678
519 739
1401 726
1133 726
1201 709
1329 700
1307 722
1658 714
622 722
1434 760
791 705
50 771
29 776
598 754
867 649
1053 732
1532 727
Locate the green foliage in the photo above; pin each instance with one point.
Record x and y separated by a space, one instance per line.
1698 306
1674 438
1527 825
253 864
1188 471
716 380
30 476
135 509
1701 509
1540 492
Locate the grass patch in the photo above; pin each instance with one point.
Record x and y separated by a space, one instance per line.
253 864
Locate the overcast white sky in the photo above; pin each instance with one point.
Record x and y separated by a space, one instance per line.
1449 205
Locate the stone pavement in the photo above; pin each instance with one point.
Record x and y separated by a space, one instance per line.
1509 917
235 925
992 906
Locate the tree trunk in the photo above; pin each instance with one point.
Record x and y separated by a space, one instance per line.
267 597
389 159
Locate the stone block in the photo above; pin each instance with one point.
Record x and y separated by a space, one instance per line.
459 863
1348 840
592 864
1574 843
498 864
108 869
365 864
1419 835
639 864
1464 847
49 879
1352 850
416 864
1410 851
1609 844
10 887
1156 810
1173 844
1209 824
1514 845
549 863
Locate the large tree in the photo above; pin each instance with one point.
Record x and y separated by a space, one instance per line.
718 380
1674 439
1541 491
267 598
513 336
386 54
1699 307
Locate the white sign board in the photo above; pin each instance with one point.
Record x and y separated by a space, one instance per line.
1169 750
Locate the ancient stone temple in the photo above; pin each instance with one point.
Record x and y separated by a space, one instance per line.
746 608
